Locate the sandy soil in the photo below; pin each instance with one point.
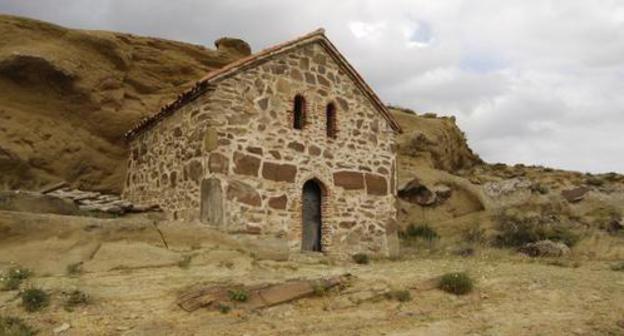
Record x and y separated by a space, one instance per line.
134 285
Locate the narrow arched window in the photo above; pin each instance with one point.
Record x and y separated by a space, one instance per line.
330 115
298 112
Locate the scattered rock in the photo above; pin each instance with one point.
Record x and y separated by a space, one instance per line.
62 328
96 201
442 191
575 195
505 187
545 248
416 192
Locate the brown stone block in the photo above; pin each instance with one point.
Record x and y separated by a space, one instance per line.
349 180
195 170
246 164
314 150
243 193
279 172
254 150
296 146
218 163
376 184
278 202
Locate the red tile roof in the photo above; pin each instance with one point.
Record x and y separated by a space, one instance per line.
204 84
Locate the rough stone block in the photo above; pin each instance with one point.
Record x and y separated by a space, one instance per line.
243 193
279 172
376 184
349 180
218 163
246 164
278 202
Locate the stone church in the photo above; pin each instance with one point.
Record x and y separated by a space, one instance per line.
289 142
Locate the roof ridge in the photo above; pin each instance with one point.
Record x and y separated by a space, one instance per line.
201 86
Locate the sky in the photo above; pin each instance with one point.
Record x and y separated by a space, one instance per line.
537 82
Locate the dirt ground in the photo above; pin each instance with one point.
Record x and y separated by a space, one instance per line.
133 284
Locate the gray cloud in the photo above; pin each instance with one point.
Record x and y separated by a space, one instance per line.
537 82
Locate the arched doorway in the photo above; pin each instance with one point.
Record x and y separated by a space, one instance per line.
312 216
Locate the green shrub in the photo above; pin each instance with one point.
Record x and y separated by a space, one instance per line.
34 299
458 283
517 230
223 308
76 298
185 262
594 181
13 278
402 295
74 269
538 188
423 231
319 289
474 234
238 295
361 258
618 267
13 326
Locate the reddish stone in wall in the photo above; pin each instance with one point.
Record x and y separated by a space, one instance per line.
376 184
246 164
296 146
243 193
278 202
349 180
279 172
218 163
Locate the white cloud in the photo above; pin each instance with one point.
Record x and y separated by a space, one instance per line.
529 81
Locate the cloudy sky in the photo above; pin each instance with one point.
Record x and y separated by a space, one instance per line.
530 81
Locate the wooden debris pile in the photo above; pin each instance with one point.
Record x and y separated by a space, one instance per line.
258 296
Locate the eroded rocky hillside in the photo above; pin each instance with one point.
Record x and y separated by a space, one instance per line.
68 96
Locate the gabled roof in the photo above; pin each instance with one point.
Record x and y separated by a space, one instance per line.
205 84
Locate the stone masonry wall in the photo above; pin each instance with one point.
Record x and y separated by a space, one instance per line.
241 134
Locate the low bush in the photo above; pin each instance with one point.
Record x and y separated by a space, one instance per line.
223 308
423 231
401 295
76 298
185 262
516 230
619 267
13 326
34 299
458 283
13 278
474 234
594 181
238 295
361 258
74 269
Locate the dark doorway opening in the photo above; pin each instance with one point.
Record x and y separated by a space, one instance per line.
311 208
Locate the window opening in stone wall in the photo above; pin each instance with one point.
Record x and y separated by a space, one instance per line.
299 112
330 114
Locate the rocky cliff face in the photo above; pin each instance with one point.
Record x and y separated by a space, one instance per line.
68 96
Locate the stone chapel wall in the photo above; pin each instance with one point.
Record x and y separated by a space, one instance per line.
241 134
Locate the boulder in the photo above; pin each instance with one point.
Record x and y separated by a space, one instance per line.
418 193
233 45
575 195
545 248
